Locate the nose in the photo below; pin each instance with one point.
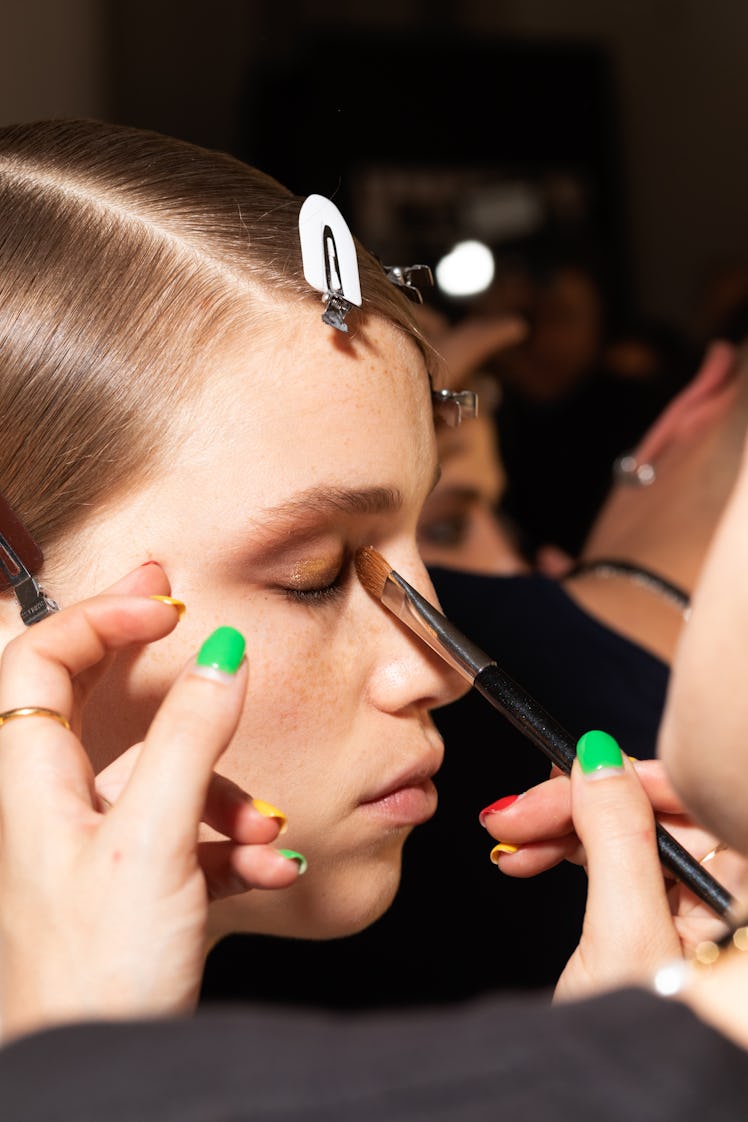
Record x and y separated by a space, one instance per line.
408 674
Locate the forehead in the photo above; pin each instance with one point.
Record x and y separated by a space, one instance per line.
297 412
303 404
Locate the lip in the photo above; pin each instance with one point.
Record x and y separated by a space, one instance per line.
410 797
406 806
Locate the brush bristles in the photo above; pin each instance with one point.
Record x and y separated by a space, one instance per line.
372 570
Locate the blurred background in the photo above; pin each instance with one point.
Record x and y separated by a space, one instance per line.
580 163
633 112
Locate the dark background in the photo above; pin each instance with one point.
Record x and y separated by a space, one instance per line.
640 107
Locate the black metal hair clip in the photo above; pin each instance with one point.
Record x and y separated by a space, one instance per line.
336 309
20 558
454 406
407 277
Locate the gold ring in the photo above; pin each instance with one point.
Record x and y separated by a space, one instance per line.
713 852
33 711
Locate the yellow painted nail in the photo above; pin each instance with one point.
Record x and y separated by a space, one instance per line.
270 811
502 847
178 604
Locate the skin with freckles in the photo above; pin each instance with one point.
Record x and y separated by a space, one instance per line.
302 454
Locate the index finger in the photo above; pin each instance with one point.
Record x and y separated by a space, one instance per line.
628 915
39 668
192 727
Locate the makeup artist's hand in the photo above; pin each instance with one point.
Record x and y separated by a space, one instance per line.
103 908
635 919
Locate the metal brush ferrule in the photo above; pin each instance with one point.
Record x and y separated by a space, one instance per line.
434 628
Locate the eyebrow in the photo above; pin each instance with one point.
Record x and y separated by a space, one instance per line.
303 514
313 512
328 502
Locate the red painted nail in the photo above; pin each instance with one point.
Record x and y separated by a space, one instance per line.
145 563
500 804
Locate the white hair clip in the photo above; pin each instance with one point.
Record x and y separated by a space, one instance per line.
328 255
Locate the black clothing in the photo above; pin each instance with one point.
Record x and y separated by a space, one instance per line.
457 927
584 673
624 1057
558 455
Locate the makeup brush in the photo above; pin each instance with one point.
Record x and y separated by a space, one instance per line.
514 702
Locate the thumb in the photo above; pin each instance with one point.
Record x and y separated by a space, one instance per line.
628 928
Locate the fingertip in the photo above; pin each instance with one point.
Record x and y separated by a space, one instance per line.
221 658
297 858
146 579
599 755
266 867
251 823
267 810
502 849
496 807
171 601
223 651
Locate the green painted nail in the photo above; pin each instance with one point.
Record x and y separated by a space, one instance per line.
597 750
223 650
292 855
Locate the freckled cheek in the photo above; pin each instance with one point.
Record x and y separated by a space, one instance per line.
300 725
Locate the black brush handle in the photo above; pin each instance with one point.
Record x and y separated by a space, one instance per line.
544 731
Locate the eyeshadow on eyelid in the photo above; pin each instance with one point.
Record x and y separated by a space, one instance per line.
313 569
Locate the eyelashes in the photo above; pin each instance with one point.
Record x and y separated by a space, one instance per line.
314 595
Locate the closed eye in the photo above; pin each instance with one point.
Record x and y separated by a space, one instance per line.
315 595
320 593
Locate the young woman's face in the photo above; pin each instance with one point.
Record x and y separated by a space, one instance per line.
301 450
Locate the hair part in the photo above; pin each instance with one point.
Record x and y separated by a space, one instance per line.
127 259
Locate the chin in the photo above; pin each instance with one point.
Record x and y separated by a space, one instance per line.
317 907
355 917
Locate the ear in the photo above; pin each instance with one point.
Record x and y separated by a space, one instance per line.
708 395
